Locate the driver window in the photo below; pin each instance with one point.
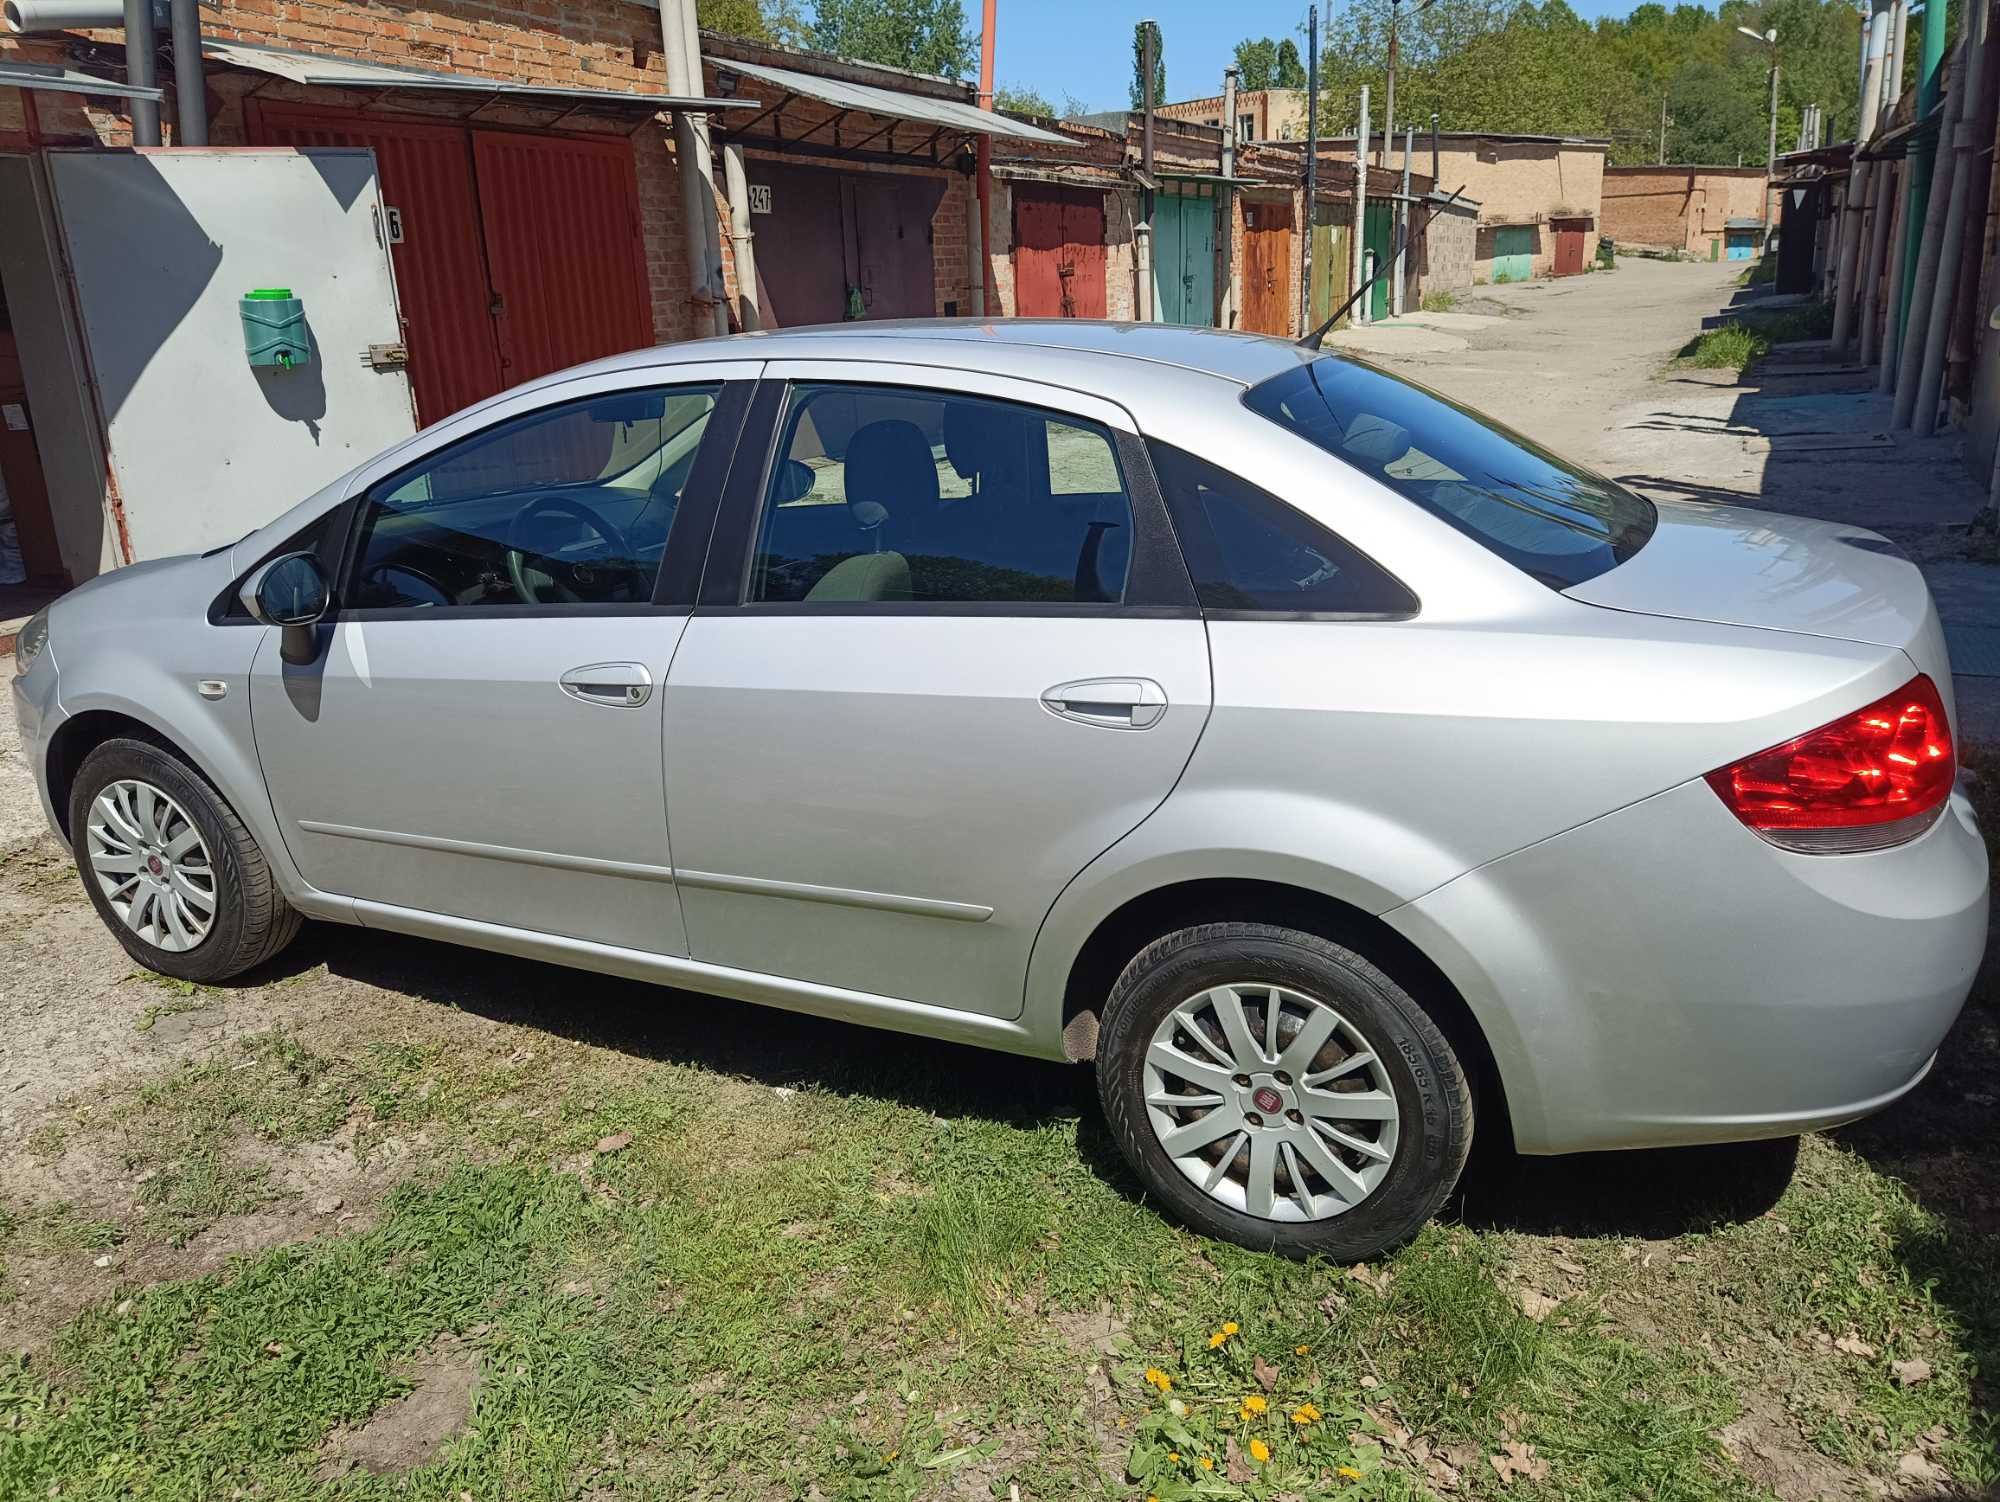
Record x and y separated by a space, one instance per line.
571 505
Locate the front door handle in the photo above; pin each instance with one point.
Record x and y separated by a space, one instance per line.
612 685
1115 703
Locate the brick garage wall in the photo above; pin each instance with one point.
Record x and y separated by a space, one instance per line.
596 44
1649 206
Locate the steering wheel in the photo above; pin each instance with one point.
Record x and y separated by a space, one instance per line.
403 585
560 575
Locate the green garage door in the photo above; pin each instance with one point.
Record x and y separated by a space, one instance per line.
1514 253
1184 259
1378 240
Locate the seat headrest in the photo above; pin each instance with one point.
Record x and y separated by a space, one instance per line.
1375 440
889 464
985 443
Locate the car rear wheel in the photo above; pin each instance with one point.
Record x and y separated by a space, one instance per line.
1281 1091
170 868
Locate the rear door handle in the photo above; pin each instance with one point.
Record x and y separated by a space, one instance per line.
1115 703
612 685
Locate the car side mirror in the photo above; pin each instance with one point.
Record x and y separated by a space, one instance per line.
291 592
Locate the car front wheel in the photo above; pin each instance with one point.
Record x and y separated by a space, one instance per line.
1281 1091
170 868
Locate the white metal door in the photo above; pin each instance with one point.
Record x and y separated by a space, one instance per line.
162 246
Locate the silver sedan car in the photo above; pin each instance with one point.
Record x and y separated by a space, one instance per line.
1334 768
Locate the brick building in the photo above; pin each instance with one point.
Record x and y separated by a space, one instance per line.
1687 209
1261 114
1538 196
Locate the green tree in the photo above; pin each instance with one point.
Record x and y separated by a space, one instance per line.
1022 101
1138 93
1257 63
760 20
1290 72
925 36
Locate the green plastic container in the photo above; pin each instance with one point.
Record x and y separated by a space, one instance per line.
274 328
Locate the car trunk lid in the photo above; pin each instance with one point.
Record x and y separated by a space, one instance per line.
1741 567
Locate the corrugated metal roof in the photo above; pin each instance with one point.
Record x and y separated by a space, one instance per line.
351 73
894 104
68 81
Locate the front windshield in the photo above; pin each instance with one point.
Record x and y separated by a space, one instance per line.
1553 521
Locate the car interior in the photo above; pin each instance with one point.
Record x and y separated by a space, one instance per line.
566 506
894 496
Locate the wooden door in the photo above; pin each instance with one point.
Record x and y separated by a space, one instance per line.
1267 268
1058 252
1333 264
1569 247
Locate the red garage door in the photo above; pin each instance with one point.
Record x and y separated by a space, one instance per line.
519 253
1058 252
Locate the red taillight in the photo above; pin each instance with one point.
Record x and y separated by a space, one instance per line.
1873 778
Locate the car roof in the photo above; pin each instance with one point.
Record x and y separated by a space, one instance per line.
1062 349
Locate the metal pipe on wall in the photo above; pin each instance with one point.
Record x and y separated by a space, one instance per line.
65 15
141 54
704 161
749 309
1892 293
190 89
697 187
1402 226
1963 144
1882 181
1360 203
1855 205
1898 34
1917 295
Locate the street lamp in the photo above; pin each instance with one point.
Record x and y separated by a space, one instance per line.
1769 39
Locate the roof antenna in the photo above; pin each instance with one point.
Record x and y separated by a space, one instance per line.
1312 341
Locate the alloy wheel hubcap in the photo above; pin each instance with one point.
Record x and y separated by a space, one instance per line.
151 864
1271 1101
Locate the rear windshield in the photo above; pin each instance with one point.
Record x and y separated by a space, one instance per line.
1558 523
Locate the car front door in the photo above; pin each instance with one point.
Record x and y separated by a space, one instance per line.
479 734
946 654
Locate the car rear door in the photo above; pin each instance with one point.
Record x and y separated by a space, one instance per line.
479 732
946 654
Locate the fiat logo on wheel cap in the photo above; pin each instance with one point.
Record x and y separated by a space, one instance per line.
155 865
1268 1100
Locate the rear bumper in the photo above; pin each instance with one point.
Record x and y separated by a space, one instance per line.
1661 976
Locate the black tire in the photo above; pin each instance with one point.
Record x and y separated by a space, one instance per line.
1433 1107
252 920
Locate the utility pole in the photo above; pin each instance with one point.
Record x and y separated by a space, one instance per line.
982 207
1226 311
1663 130
1434 150
1312 168
1389 92
1769 39
1143 231
1402 226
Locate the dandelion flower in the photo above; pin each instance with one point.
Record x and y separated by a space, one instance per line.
1305 1413
1301 1350
1217 1339
1159 1379
1347 1471
1174 1456
1229 1327
1253 1404
1208 1462
1259 1451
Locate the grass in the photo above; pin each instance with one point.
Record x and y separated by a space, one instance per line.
1741 341
1439 300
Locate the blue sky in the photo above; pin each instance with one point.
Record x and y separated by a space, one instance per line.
1083 47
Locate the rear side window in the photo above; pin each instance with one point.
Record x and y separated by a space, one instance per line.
1553 521
1247 550
900 496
